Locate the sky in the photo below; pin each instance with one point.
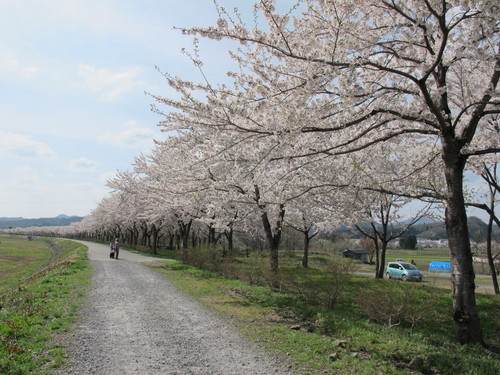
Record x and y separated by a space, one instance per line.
73 81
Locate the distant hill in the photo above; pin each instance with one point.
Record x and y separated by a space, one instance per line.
433 230
19 222
422 220
437 230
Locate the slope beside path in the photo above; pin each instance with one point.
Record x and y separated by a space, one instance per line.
136 322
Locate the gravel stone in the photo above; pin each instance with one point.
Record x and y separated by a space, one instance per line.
136 322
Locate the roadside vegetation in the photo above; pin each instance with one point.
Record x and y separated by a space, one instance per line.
326 318
20 257
42 289
329 319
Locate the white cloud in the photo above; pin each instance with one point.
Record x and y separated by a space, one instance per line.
19 145
133 137
110 85
82 165
10 64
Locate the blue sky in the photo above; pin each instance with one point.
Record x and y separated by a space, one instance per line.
73 77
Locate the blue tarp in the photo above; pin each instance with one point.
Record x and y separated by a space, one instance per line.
439 267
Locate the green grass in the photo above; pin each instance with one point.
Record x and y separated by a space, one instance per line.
161 253
307 335
20 257
36 313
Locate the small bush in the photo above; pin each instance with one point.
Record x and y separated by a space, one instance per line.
319 288
397 305
205 258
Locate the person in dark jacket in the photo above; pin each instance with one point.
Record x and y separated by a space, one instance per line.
117 248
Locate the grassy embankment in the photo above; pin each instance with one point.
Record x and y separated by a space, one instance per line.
374 326
42 286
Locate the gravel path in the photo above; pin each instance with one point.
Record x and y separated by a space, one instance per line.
136 322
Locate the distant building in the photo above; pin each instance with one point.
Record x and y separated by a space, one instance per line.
428 243
359 254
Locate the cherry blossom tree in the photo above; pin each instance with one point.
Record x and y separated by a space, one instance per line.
220 129
143 218
385 224
107 216
368 245
372 72
168 187
487 169
491 177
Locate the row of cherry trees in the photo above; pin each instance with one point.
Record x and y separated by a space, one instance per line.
393 96
340 111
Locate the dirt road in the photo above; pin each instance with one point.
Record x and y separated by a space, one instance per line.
135 322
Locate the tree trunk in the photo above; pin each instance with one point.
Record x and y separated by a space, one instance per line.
184 229
212 234
273 240
465 314
273 243
381 261
171 241
305 257
135 235
273 237
145 235
194 240
230 241
489 256
154 240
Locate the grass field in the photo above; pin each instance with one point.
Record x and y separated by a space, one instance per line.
343 339
40 297
422 257
20 257
365 326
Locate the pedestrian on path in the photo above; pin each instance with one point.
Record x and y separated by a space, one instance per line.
117 248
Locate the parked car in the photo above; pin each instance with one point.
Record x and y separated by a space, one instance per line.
404 271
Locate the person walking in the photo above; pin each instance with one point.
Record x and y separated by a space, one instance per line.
117 248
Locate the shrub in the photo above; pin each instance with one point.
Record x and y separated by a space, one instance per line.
205 258
320 288
401 303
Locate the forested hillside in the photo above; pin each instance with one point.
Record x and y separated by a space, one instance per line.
434 230
19 222
437 230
